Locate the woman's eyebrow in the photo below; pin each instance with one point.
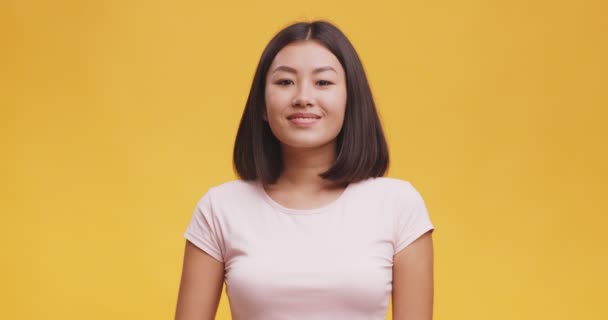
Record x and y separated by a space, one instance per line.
292 70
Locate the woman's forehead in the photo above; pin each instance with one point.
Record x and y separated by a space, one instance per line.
305 56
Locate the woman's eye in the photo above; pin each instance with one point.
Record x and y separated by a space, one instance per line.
323 83
284 82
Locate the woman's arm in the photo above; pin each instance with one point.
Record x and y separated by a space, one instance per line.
413 280
201 285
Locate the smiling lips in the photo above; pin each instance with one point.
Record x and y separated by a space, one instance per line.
303 119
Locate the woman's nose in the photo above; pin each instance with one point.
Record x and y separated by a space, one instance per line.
303 97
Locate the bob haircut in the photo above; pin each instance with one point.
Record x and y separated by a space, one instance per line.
361 149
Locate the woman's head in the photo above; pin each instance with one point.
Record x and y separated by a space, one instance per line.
309 90
305 95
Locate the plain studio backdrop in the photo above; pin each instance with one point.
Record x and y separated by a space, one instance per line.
116 116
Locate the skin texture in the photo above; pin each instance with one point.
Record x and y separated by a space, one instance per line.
413 280
201 285
294 84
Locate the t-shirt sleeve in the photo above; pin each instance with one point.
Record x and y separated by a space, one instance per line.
204 230
412 217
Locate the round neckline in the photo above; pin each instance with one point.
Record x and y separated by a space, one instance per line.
294 211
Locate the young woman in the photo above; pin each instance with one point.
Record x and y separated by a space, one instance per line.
312 229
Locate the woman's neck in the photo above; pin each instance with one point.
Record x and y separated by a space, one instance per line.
301 167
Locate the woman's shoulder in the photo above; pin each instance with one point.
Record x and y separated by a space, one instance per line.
232 185
388 189
231 189
387 184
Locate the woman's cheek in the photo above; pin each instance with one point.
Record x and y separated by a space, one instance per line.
271 106
276 100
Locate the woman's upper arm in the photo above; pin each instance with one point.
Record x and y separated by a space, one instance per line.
201 285
413 280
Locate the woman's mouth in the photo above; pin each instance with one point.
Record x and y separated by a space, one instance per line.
303 119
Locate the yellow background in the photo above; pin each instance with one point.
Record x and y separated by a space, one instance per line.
116 116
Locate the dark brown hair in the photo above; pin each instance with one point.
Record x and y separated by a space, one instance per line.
361 148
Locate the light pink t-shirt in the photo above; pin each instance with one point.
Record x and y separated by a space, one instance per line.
333 262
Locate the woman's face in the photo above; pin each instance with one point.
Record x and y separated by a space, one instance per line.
305 95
